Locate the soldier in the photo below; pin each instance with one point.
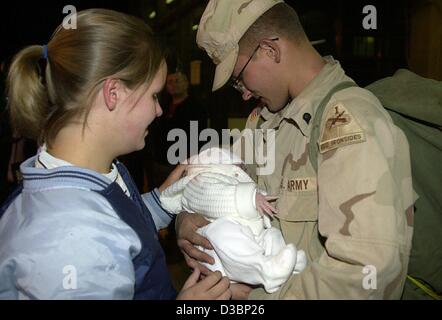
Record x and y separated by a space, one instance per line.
343 176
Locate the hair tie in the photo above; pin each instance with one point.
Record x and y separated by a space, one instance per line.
45 52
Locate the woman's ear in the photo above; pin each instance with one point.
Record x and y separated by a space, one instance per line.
272 48
110 93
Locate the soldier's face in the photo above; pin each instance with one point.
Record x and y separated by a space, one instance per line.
261 81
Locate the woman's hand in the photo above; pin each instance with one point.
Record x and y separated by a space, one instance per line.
240 291
174 176
186 225
212 287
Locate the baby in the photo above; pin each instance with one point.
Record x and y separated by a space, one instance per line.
247 248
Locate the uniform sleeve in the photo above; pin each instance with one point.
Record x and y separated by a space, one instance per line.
216 195
160 216
86 256
364 193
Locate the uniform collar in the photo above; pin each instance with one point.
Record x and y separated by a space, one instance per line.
300 111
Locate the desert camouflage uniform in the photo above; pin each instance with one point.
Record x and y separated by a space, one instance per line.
354 218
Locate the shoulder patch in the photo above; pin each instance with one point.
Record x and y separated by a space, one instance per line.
340 129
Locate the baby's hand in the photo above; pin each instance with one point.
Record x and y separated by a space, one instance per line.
263 206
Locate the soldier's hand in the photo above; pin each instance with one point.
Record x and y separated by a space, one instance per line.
187 238
212 287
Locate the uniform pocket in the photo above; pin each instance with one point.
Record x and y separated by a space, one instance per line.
298 200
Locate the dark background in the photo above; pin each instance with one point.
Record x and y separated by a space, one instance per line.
365 55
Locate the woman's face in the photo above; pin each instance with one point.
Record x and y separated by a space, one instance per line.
142 107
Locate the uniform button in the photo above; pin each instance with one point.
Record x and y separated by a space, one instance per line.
307 117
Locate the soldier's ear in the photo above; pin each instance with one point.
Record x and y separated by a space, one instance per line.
272 49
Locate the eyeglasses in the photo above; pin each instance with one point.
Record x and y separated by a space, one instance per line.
236 82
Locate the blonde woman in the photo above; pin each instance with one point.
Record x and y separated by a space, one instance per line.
78 228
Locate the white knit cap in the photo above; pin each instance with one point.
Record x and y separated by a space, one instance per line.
214 156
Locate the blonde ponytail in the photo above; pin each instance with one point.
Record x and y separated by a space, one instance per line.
27 96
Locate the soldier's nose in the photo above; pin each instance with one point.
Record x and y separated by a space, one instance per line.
246 95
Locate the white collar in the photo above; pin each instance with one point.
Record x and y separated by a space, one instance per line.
46 160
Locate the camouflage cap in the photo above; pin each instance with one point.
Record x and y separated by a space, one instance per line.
221 27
